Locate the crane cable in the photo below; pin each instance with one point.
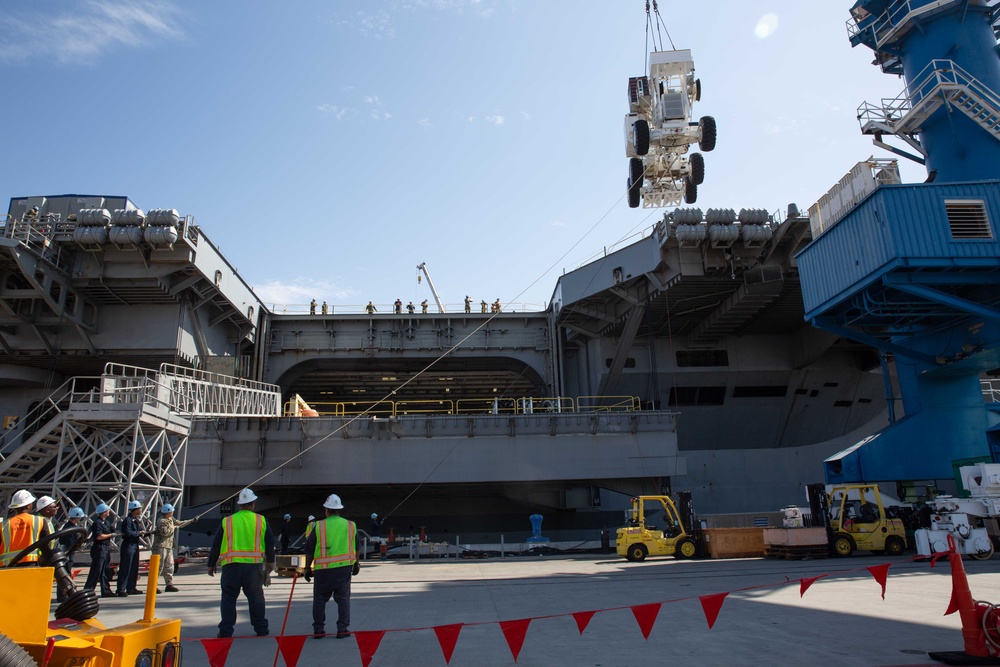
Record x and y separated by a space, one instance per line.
658 23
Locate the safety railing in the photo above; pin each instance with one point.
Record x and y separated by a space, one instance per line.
894 16
991 390
528 405
388 309
937 74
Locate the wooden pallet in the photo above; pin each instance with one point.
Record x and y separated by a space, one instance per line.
797 552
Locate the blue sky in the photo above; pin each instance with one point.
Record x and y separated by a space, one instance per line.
328 147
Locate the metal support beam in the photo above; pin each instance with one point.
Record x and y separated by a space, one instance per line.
871 341
948 300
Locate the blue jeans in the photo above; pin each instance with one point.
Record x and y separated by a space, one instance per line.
128 567
249 578
335 581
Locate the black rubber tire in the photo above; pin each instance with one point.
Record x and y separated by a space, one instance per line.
12 655
690 191
685 549
708 134
640 136
697 90
697 168
894 545
633 194
636 170
843 545
637 553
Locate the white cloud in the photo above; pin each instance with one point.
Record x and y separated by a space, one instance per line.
496 119
558 223
300 292
525 115
766 25
334 110
424 122
377 25
373 99
380 115
471 119
94 28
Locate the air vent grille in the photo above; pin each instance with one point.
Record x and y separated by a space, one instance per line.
968 220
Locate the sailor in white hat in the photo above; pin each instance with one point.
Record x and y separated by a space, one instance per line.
244 549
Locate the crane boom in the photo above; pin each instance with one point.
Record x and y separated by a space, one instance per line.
422 266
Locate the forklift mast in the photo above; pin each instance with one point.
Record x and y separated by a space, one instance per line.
685 508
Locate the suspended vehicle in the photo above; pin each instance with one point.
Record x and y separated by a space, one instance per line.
658 127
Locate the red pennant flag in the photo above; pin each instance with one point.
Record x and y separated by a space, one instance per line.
291 648
804 584
953 602
217 650
367 644
880 572
514 632
76 573
711 605
645 615
447 637
582 619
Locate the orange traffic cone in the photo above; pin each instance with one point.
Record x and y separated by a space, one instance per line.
970 613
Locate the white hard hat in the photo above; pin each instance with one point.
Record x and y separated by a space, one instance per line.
374 516
311 518
333 502
45 501
246 497
22 498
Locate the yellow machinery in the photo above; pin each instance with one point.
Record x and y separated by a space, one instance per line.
858 521
639 539
28 637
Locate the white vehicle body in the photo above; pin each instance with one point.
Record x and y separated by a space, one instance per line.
971 521
659 132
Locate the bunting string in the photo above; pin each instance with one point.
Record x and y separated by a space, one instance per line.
515 631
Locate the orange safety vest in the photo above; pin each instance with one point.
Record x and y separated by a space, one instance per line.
18 532
238 545
334 543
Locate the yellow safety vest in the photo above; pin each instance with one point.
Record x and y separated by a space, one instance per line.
334 543
18 532
309 528
242 538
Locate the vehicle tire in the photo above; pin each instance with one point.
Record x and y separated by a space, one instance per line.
633 194
697 168
843 545
640 136
686 549
697 90
637 553
986 555
894 545
708 134
690 191
635 170
12 655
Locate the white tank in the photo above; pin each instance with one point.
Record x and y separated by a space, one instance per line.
93 217
161 234
690 235
723 234
132 217
163 216
755 235
90 235
121 235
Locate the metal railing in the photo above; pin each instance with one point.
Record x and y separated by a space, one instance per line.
387 309
894 16
991 390
528 405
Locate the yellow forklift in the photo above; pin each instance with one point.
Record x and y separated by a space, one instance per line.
75 638
859 520
642 537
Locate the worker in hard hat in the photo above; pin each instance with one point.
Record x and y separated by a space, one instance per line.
101 532
67 542
244 549
128 568
163 543
285 534
423 306
310 526
47 507
20 530
468 303
375 526
332 552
